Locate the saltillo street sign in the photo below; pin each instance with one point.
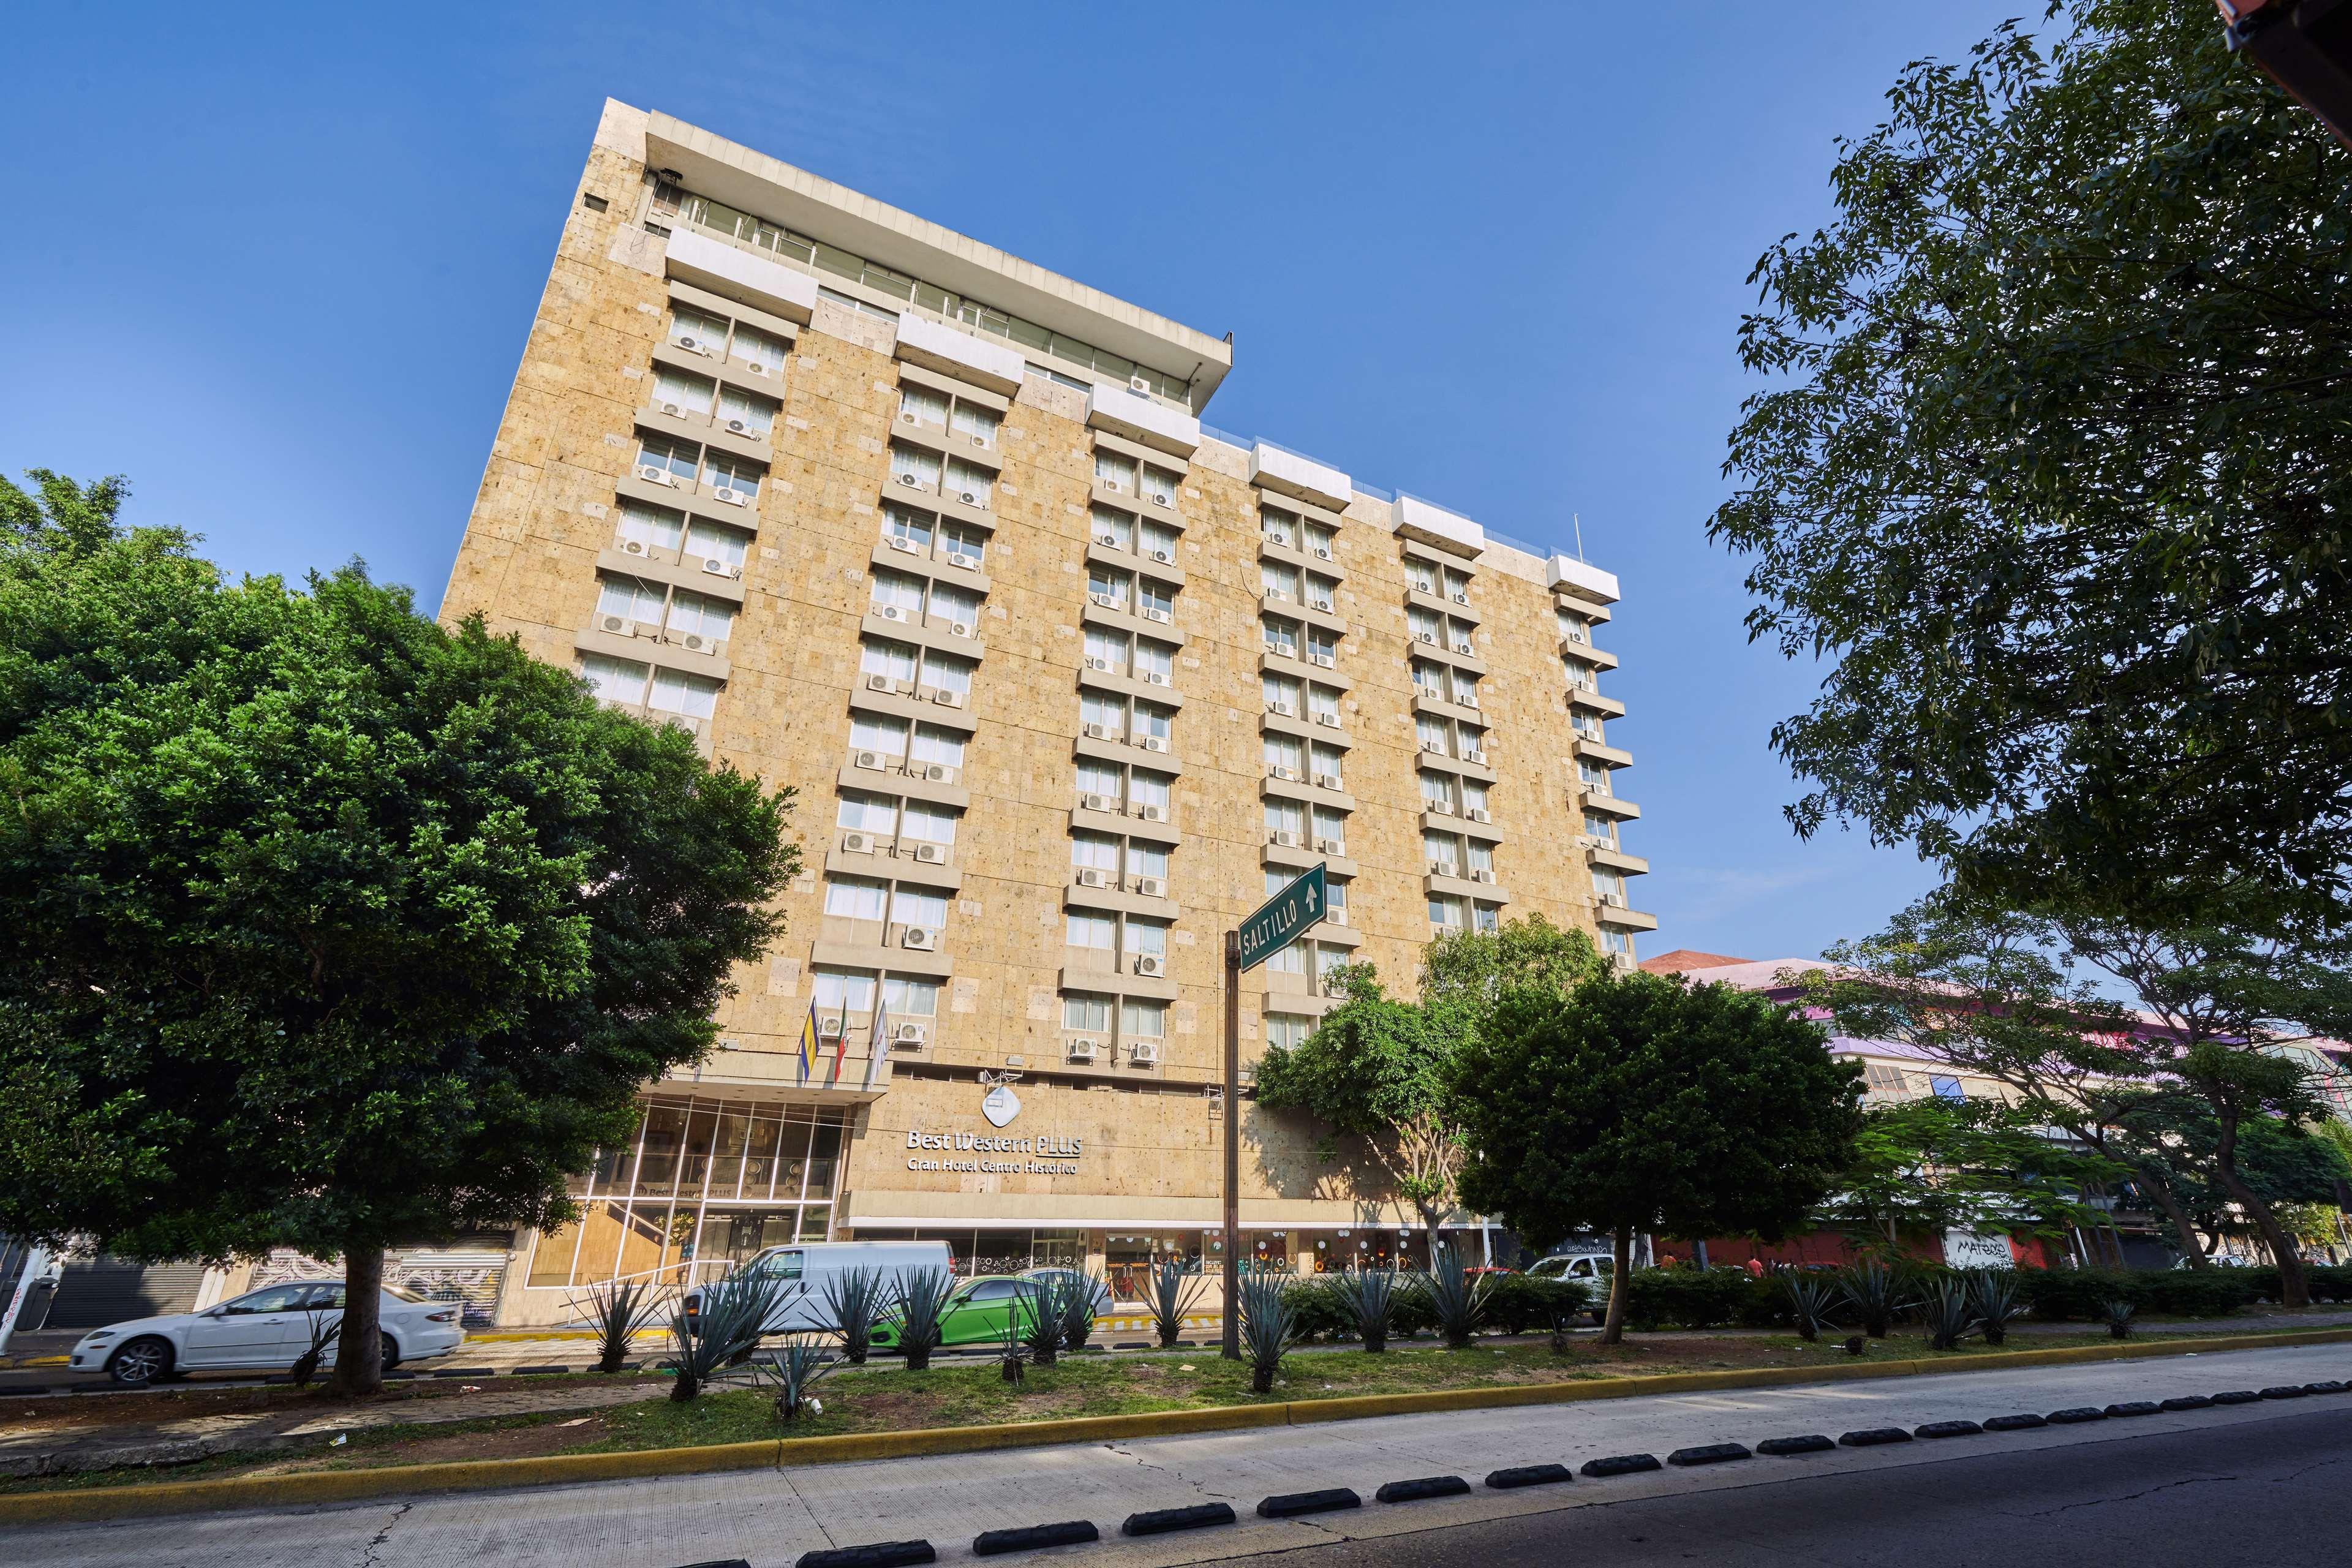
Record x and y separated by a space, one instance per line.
1283 918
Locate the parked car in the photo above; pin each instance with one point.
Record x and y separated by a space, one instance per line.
1574 1265
261 1331
1102 1292
975 1314
809 1268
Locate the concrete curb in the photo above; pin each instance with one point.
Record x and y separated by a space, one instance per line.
480 1475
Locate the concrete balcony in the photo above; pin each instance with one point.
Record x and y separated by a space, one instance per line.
737 274
952 351
1141 418
1287 473
1582 581
1413 518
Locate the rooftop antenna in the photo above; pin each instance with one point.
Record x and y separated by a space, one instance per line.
1578 519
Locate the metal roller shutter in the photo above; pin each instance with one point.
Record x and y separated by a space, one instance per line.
102 1290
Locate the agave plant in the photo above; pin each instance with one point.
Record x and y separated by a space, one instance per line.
1012 1340
919 1314
1172 1293
1049 1318
1368 1296
1811 1302
324 1332
619 1311
1456 1298
1875 1294
796 1365
1081 1291
1951 1313
729 1318
1268 1326
854 1300
1993 1293
2119 1313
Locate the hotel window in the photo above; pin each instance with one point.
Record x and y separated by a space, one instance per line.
1085 1016
1155 662
1323 705
761 352
845 994
1470 742
1283 756
1101 779
745 414
854 898
692 615
895 662
1437 792
930 824
1279 527
1107 588
970 483
921 405
975 423
1608 885
945 672
1154 724
627 599
1148 790
1115 472
696 331
1330 830
1474 796
687 696
955 606
918 907
1429 680
1423 625
1594 777
1106 650
1458 638
1579 674
728 546
1335 897
1159 542
902 527
651 527
676 394
1291 960
1420 575
1439 851
885 737
1327 771
934 745
1146 860
666 461
1482 858
1322 647
1103 717
877 815
1944 1088
1329 961
1281 693
1287 1030
724 471
1321 541
1142 1018
1599 826
1433 734
1285 821
1275 579
1094 852
1113 530
1465 689
910 996
621 681
964 546
1487 918
1613 941
1587 725
1155 600
1279 636
1158 486
1445 911
1321 593
1144 938
1097 932
1457 585
914 467
1574 628
889 591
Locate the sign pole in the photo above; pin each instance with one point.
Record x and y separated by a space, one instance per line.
1232 1323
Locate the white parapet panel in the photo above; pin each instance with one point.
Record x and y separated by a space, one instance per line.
1140 418
952 351
1431 524
724 269
1305 478
1570 575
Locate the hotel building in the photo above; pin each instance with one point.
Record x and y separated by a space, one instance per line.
1067 682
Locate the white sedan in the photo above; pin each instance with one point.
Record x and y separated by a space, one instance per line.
264 1330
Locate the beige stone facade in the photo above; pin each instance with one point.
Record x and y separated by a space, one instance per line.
1065 683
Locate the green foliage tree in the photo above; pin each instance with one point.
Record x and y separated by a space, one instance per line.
1378 1069
2171 1138
1634 1103
322 926
2057 471
1983 1165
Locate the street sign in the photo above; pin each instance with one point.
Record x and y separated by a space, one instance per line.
1283 918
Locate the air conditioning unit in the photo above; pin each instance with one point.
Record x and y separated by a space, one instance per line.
1440 868
1477 813
693 346
1329 847
1328 721
1078 1049
1143 1054
1152 742
1474 754
908 477
1434 748
1335 914
1480 874
1277 705
969 562
1155 678
633 547
1279 596
1093 877
1468 700
1322 660
1322 604
979 441
755 368
939 772
1138 383
1102 601
1443 807
1097 802
719 568
905 417
869 759
731 497
618 625
905 546
973 498
1096 731
1153 613
1281 772
1461 598
671 409
1429 638
908 1034
1322 552
1329 984
947 699
1107 540
1326 781
857 843
695 642
890 612
878 683
960 628
1150 965
1096 662
1163 556
738 427
1464 649
656 476
832 1028
920 938
1614 900
1110 485
930 854
1151 887
1152 813
1287 839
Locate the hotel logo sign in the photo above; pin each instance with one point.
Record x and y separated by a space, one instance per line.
1045 1155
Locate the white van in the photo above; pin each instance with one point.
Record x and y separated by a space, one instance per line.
809 1268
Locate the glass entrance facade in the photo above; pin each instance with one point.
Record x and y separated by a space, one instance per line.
705 1185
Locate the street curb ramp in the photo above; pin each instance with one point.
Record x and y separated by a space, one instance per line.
310 1488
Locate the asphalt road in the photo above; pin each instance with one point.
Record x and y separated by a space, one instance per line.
2276 1493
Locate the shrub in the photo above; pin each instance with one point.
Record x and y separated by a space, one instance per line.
1686 1298
1081 1291
1317 1310
2331 1282
2057 1295
1520 1303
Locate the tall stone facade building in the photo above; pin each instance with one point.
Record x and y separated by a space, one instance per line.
1066 682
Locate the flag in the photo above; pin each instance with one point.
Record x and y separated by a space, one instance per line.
876 1045
808 1040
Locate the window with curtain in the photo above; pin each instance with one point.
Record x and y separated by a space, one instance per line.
868 814
1275 577
1474 794
1321 541
689 696
1321 592
1284 817
712 543
1148 789
1333 825
724 471
1322 646
1599 826
620 680
1423 625
933 744
1158 540
1456 582
1100 778
1142 1018
1437 849
841 993
975 423
1158 486
928 407
679 459
929 824
896 660
1113 527
1458 636
1487 917
1156 722
764 352
963 542
1322 701
631 599
855 899
945 672
1277 525
1093 851
1287 1030
1110 712
1436 790
1106 649
1281 692
747 412
1154 659
1155 599
1419 576
682 394
918 907
1086 1014
1281 752
912 465
911 997
1102 583
1482 856
1613 941
1279 636
1608 884
695 615
868 733
970 482
1445 911
696 331
1329 771
1291 960
1146 860
1433 734
1100 932
891 590
655 527
1573 627
1115 472
913 527
1146 938
1593 776
955 604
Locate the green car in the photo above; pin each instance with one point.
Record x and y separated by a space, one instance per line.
975 1315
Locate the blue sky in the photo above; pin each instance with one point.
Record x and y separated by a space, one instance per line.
276 266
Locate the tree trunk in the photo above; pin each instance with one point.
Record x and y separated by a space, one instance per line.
2193 1252
1612 1331
1699 1253
2295 1287
359 1346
